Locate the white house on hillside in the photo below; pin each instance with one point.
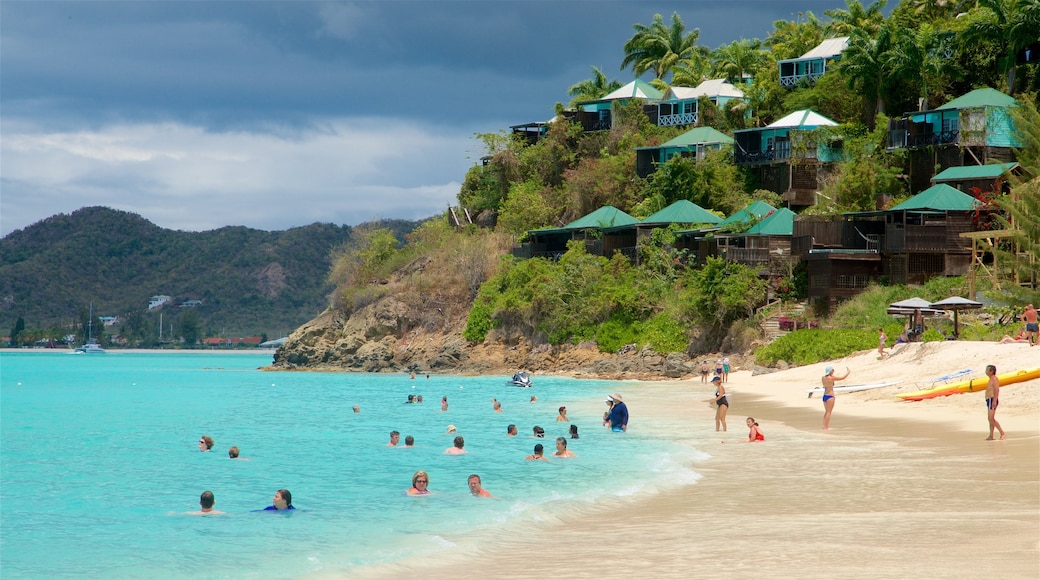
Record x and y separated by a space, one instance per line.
157 301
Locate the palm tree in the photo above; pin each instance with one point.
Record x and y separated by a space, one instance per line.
1009 24
866 65
918 54
793 39
739 58
658 47
594 88
843 22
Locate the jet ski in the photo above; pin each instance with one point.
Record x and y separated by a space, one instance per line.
520 379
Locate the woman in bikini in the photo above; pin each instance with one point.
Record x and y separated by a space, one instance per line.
755 434
828 393
721 403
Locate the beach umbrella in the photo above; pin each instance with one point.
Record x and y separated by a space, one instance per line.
956 304
911 303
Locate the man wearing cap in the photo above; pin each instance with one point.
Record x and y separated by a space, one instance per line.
828 393
618 416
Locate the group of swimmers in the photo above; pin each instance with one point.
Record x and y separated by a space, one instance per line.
282 501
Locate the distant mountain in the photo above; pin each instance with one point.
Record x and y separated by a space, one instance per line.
250 282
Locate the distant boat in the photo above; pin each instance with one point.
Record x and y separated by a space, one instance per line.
521 379
92 346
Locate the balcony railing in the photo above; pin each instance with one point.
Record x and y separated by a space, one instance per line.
794 80
678 120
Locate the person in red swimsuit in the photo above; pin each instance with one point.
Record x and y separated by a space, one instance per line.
755 434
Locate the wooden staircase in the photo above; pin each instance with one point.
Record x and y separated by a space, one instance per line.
771 324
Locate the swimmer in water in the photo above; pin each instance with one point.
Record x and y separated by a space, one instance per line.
206 501
419 482
476 488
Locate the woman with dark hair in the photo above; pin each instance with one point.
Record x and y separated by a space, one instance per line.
755 434
574 432
282 501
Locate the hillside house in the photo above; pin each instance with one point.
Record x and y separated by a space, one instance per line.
842 254
598 114
190 304
590 228
922 235
790 156
809 67
985 178
765 246
683 213
700 243
679 106
157 301
695 143
973 129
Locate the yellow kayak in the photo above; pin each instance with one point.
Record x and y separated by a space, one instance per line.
971 385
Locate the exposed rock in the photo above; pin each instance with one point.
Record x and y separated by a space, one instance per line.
782 365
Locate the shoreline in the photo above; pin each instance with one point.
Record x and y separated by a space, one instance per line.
117 351
894 489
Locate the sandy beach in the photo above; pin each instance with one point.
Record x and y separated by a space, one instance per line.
894 489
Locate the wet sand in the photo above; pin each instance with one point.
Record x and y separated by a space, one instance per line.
895 489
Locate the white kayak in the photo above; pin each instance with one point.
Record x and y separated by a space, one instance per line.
854 388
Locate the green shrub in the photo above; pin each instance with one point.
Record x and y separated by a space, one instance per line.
932 335
803 347
479 322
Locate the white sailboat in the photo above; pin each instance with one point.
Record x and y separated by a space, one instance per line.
92 346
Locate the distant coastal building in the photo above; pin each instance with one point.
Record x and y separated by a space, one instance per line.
108 320
157 301
190 304
215 342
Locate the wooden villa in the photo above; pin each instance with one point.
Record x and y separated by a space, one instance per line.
973 129
765 246
695 143
788 156
590 228
842 254
598 114
809 67
990 178
679 106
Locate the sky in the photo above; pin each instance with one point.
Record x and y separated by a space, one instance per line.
274 115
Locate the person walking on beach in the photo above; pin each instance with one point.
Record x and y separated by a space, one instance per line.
705 370
476 488
881 343
206 501
420 481
562 417
1032 328
755 434
992 399
721 403
725 369
828 393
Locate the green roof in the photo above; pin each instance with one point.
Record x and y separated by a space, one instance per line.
604 217
986 97
683 212
991 171
939 197
778 223
755 209
698 136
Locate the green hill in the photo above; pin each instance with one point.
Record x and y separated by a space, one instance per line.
250 282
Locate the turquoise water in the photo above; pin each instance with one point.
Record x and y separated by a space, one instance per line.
99 464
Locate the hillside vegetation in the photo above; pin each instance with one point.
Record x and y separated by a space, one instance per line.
250 282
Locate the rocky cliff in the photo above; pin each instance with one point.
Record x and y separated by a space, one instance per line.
384 337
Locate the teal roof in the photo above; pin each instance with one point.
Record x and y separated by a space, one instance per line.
604 217
778 223
683 212
698 136
635 89
991 171
754 210
940 197
986 97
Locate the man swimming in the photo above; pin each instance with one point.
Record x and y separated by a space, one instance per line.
395 437
538 455
457 447
206 501
476 488
828 393
561 448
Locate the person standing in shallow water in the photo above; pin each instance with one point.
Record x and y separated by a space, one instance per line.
828 393
721 403
992 399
